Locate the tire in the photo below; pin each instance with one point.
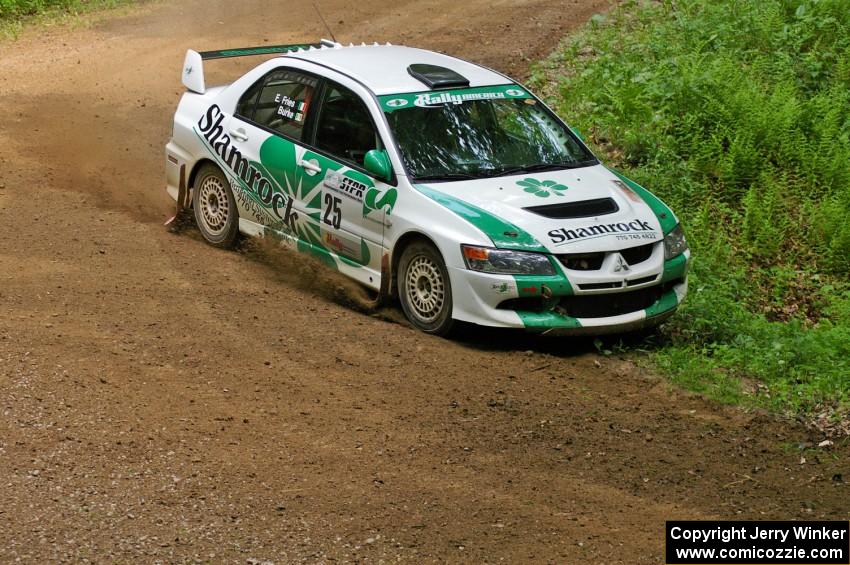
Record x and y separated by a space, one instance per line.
215 208
424 289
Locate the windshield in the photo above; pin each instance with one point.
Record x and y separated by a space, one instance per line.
479 133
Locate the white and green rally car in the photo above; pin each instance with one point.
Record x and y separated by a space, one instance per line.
429 178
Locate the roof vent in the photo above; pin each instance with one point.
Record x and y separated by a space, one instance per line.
437 77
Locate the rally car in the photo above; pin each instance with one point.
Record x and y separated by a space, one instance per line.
427 178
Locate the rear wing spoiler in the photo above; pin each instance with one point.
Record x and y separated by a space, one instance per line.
193 64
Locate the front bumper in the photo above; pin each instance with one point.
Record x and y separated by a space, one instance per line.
556 322
550 304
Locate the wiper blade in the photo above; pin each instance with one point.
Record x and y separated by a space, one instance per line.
449 176
580 164
536 168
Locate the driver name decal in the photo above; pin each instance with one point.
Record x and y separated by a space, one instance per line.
290 109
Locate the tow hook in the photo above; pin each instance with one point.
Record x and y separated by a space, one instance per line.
550 301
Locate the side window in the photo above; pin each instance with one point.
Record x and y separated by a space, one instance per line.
284 102
344 128
245 107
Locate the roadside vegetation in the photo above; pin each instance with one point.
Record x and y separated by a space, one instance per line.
14 13
737 114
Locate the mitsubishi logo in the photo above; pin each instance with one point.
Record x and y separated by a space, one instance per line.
620 264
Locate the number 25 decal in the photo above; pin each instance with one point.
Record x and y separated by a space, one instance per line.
333 215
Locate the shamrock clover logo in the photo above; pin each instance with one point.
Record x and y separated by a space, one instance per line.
542 188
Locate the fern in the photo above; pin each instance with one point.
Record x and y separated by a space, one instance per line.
737 113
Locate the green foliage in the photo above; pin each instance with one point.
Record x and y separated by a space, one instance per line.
737 113
16 10
716 338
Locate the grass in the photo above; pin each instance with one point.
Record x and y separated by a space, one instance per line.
737 114
14 14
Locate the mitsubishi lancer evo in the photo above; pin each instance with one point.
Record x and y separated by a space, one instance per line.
429 179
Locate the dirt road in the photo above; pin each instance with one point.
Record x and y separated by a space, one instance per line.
165 401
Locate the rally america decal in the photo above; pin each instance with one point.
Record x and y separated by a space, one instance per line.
635 229
393 102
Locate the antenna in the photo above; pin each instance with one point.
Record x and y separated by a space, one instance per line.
327 27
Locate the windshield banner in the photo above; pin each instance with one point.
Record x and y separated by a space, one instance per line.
432 98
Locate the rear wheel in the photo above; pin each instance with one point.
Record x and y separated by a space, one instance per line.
424 289
214 207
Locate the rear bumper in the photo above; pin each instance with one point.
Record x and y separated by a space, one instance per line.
177 169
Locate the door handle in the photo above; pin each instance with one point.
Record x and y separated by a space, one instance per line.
310 166
239 134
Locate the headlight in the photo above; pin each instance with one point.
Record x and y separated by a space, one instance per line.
505 261
675 243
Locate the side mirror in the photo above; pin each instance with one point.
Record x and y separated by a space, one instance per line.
377 162
577 133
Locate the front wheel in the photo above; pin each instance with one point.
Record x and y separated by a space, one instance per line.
424 289
215 208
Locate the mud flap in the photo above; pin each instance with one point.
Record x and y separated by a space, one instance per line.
182 204
380 297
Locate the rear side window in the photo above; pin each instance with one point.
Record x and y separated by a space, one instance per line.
281 104
245 108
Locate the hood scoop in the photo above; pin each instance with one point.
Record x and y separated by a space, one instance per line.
581 209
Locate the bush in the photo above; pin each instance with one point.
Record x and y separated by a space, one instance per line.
737 113
14 10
